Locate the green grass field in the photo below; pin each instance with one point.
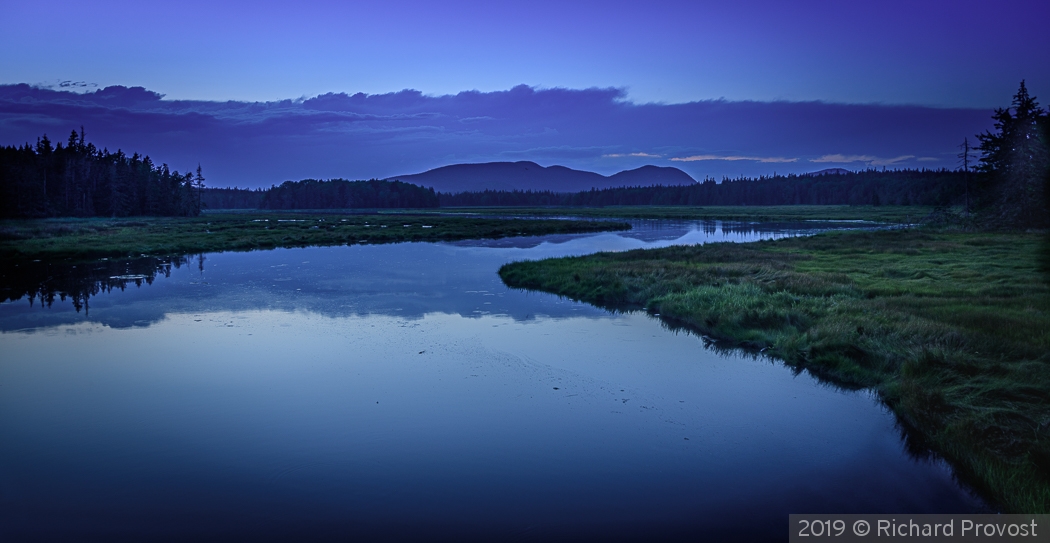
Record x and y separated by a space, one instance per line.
94 238
951 329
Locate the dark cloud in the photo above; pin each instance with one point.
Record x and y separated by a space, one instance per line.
382 135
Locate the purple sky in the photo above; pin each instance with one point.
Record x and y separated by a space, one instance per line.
787 71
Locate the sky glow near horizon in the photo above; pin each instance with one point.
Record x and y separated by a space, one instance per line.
952 56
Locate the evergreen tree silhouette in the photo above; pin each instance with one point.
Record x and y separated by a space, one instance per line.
1014 163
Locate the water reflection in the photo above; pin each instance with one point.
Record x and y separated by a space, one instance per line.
42 282
403 392
408 280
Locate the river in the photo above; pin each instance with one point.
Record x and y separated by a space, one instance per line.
387 392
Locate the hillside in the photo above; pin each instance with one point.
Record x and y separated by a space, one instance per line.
531 176
829 171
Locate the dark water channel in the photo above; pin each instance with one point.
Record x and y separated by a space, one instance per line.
402 391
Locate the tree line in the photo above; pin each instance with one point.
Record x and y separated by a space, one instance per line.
896 187
232 198
869 187
343 194
330 194
79 180
322 194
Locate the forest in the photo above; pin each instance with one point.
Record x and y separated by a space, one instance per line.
343 194
330 194
79 180
869 187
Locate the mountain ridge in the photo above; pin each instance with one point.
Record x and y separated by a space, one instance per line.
829 171
528 175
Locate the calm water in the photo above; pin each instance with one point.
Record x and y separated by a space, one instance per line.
401 391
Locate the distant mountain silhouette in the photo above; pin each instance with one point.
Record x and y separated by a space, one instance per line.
651 175
829 171
531 176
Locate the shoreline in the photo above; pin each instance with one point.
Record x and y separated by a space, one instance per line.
905 313
91 238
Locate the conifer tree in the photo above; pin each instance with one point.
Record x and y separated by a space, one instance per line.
198 183
1014 162
965 158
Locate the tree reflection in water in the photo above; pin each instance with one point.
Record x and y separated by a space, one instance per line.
43 282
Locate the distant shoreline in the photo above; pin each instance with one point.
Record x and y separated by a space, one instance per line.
91 238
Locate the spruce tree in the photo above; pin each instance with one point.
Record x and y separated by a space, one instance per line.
198 183
1014 162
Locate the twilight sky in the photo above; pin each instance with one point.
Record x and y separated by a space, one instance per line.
735 88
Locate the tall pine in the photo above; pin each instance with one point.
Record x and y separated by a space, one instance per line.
1014 164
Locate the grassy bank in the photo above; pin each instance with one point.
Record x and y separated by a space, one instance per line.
952 329
885 214
92 238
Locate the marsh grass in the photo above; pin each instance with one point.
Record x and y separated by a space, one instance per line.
94 238
952 329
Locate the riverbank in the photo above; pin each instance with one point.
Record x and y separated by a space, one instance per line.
244 231
951 329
